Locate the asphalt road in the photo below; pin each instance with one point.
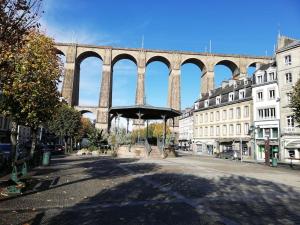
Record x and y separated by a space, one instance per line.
185 190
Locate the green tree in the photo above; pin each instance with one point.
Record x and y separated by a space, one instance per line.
295 101
66 123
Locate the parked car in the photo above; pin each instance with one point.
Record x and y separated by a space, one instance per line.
58 149
230 154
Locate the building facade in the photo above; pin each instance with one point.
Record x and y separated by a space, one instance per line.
266 111
288 72
186 121
222 118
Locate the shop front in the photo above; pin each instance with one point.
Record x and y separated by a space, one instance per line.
260 149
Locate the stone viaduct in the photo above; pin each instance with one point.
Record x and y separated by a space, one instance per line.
76 53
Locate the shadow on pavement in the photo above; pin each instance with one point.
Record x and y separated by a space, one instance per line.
238 199
93 168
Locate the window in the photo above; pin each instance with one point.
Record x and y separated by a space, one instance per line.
268 113
272 76
289 97
259 79
231 113
246 111
288 60
224 115
217 116
238 112
246 128
290 121
196 105
201 118
272 94
217 131
200 131
206 103
224 129
272 112
1 122
274 133
260 133
231 97
259 96
238 129
241 94
211 131
288 78
206 117
218 100
231 129
211 116
260 113
206 131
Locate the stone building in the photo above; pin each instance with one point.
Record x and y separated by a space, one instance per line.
266 110
288 71
222 118
186 121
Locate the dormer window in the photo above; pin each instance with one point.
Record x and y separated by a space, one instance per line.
288 60
231 96
272 76
245 81
196 105
242 94
218 100
206 103
235 85
259 79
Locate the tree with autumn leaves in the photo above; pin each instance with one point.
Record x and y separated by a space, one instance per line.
29 95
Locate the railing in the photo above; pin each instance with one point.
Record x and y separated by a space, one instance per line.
147 147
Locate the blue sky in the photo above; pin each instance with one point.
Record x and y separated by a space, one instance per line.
233 26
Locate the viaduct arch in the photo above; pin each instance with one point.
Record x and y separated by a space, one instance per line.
76 53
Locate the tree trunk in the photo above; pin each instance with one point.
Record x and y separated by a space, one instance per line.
13 140
71 144
33 142
66 144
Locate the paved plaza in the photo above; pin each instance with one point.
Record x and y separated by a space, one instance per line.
185 190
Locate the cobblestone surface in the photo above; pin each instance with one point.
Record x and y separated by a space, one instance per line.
185 190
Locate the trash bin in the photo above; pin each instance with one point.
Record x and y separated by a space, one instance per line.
274 161
46 158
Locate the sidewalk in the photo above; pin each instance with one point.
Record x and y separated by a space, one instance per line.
295 165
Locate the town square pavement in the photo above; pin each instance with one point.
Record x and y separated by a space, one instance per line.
184 190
